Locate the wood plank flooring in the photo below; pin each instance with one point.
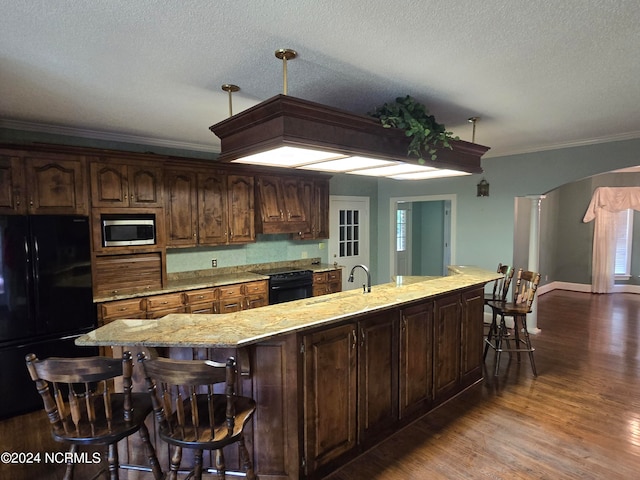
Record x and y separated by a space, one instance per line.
579 419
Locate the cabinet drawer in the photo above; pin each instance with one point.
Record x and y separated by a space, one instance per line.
121 309
320 277
334 275
254 288
161 312
229 305
255 301
199 296
230 291
164 302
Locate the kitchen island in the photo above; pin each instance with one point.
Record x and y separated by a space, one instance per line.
332 375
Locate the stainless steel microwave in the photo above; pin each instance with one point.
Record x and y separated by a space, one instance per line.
128 230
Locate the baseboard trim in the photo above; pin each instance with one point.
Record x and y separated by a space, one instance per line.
585 288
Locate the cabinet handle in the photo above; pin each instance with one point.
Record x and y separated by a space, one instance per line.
18 200
281 215
355 339
123 309
362 337
31 202
404 324
289 215
231 233
200 296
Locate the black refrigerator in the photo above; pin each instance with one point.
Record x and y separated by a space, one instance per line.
45 299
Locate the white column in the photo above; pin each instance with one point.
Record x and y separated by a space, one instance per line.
534 255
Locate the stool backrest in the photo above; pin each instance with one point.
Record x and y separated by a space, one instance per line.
526 287
502 284
182 394
77 392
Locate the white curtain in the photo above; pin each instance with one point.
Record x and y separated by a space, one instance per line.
605 203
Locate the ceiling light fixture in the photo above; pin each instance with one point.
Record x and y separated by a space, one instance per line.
227 87
289 132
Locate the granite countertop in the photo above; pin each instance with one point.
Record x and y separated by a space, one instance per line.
211 278
252 326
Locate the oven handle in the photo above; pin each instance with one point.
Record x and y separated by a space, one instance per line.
290 286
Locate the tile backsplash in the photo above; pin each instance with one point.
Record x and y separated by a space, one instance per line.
267 249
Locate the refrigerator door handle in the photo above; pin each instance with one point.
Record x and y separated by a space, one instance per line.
27 271
36 277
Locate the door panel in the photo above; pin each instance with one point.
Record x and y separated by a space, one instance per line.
349 241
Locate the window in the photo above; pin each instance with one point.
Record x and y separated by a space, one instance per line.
401 230
624 233
349 233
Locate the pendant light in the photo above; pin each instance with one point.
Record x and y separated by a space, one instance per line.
289 132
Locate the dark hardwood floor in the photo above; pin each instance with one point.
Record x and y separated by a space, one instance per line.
579 419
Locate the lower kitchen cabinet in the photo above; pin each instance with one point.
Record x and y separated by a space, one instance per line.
377 375
416 359
365 379
327 282
330 395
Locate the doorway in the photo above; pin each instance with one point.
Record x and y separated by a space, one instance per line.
349 241
423 240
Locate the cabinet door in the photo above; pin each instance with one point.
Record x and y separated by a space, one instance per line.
446 354
109 185
329 394
321 209
307 192
12 186
292 199
416 358
271 208
242 214
56 185
145 186
377 375
181 209
212 209
472 336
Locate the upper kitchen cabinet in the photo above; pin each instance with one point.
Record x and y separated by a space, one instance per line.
281 205
118 184
209 207
315 201
42 183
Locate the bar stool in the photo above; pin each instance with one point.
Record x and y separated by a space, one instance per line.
523 296
91 413
190 415
497 296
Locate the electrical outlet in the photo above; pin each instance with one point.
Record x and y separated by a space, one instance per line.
304 255
214 262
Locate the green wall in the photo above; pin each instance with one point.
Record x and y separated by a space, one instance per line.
485 225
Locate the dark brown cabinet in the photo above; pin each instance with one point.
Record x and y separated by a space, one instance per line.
416 359
446 346
472 343
315 200
377 376
327 282
330 394
118 184
209 208
42 183
281 205
181 208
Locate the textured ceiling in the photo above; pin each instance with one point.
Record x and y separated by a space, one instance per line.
539 74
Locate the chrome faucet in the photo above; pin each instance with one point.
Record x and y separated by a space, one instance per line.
366 270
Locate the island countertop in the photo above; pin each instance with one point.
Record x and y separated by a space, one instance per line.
252 326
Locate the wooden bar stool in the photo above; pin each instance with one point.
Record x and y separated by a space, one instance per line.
496 297
190 415
523 296
83 409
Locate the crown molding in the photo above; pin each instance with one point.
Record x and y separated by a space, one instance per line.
496 152
107 136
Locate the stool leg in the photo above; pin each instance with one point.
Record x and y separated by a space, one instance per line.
68 473
176 459
246 460
499 339
197 468
113 461
150 452
220 466
527 340
493 330
516 335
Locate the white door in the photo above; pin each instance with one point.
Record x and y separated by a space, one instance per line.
349 238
